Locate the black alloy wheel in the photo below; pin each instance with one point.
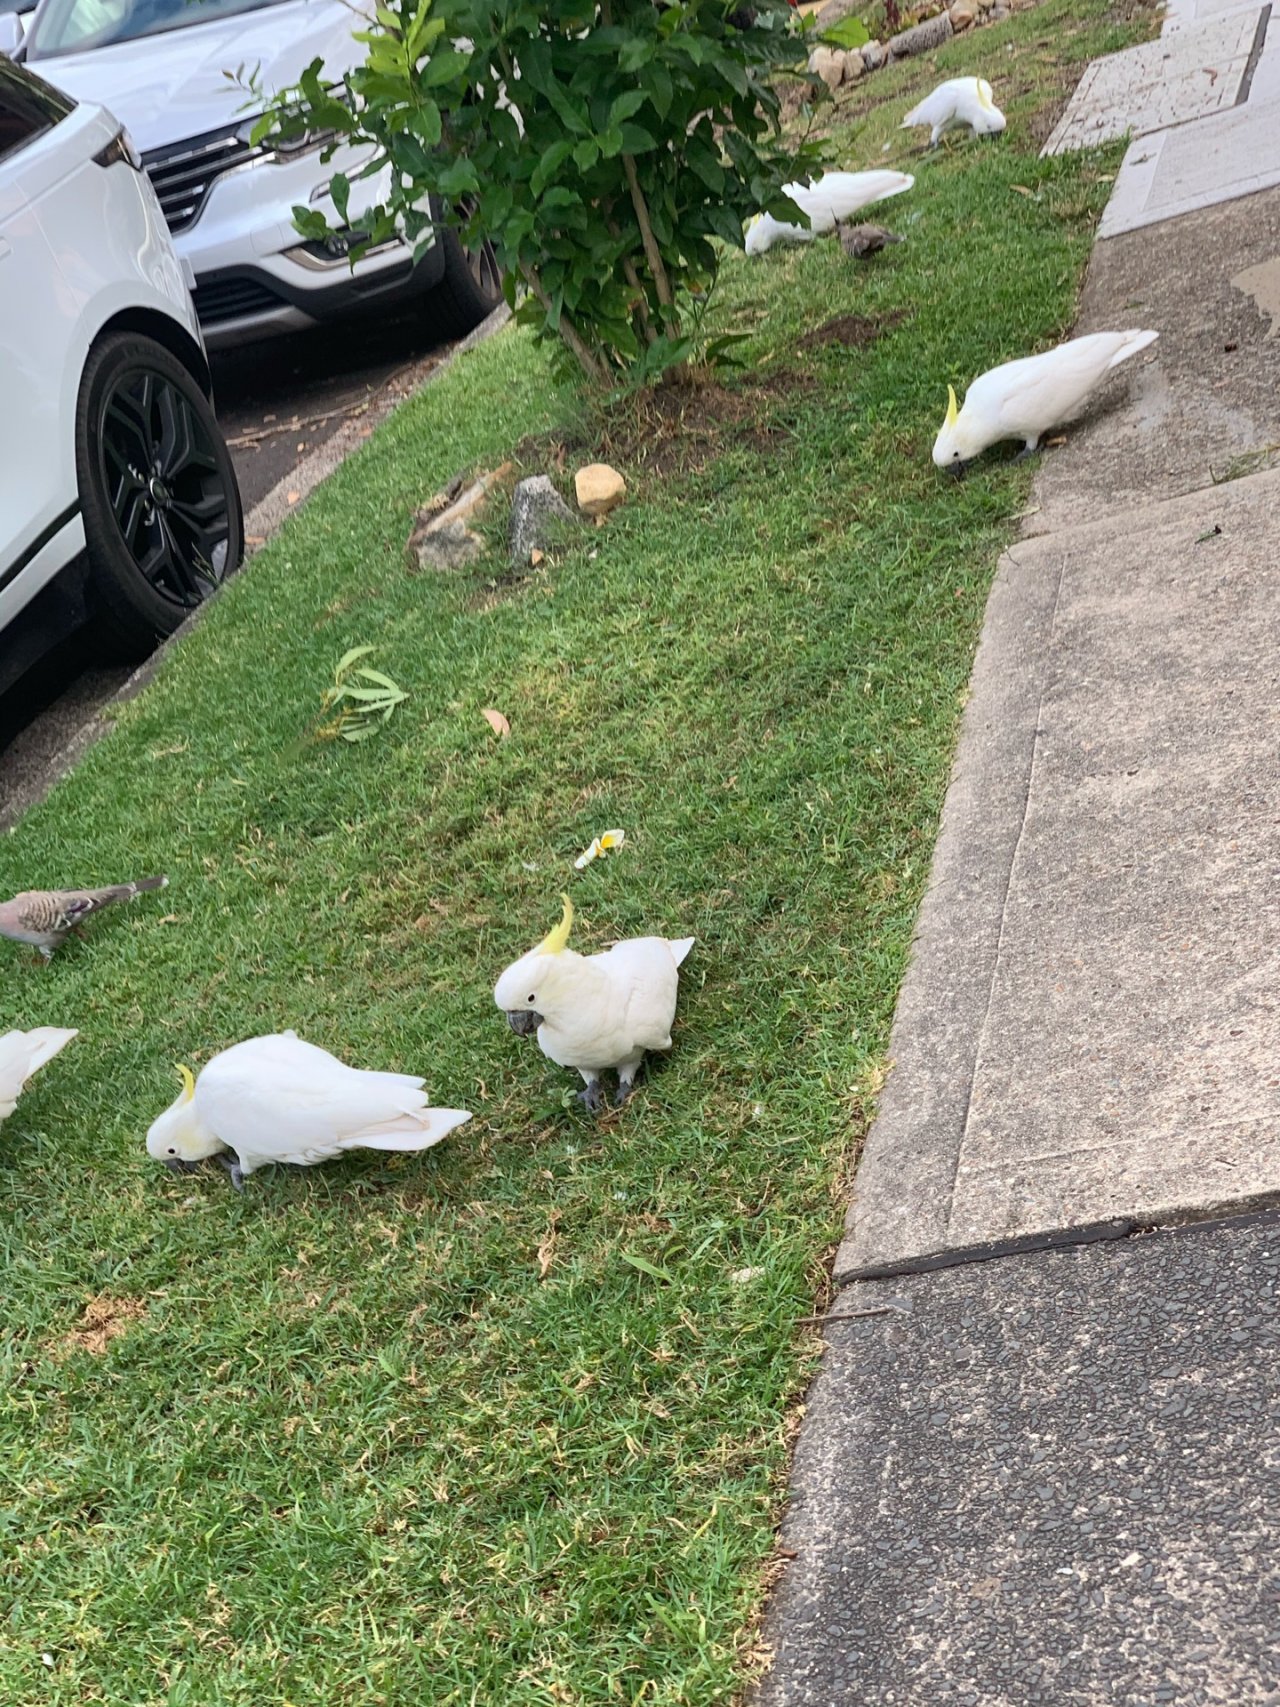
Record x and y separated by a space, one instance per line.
162 511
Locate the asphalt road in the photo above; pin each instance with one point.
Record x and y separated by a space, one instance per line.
277 403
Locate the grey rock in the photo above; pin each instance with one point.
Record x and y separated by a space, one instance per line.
932 33
452 545
836 11
873 55
539 515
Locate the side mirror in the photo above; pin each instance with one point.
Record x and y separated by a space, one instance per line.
11 32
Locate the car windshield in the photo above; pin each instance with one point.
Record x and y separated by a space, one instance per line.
73 26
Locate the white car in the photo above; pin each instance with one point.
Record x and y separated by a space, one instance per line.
169 69
118 501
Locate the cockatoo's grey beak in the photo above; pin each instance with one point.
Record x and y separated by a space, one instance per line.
176 1165
956 470
523 1023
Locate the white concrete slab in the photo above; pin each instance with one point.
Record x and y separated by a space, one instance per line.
1190 74
1089 1033
1211 160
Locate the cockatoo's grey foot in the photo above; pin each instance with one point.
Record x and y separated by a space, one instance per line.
625 1088
231 1162
1027 452
592 1098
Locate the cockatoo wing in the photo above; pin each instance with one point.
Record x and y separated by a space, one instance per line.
278 1099
1043 391
838 195
644 979
23 1053
936 108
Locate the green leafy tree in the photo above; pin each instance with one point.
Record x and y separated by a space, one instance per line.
602 146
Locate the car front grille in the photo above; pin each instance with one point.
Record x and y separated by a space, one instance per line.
218 300
183 173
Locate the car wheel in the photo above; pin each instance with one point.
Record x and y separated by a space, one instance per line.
470 289
162 515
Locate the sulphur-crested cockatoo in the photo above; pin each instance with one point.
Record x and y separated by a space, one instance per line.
1023 399
960 101
836 196
23 1053
598 1013
278 1099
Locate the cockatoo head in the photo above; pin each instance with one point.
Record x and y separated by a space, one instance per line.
536 984
957 443
990 120
179 1138
761 231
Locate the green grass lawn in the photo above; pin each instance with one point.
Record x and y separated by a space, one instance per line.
351 1446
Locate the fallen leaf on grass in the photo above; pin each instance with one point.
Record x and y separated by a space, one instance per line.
536 557
1022 190
496 721
292 497
547 1249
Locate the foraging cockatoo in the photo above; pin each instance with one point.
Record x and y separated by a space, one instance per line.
597 1013
1023 399
45 918
962 100
278 1099
23 1053
835 196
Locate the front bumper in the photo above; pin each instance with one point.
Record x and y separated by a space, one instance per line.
230 208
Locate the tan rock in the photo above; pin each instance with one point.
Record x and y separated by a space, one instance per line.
598 488
962 14
853 66
828 62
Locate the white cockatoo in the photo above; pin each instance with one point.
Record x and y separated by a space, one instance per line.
959 101
23 1053
1023 399
835 197
278 1099
597 1013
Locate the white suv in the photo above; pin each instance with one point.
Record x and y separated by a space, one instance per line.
118 501
168 69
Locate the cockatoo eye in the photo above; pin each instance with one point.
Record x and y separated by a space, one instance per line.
172 1151
532 997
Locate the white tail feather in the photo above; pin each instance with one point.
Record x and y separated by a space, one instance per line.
680 948
411 1131
1136 341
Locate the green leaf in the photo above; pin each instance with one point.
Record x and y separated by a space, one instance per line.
550 164
849 33
340 193
637 140
349 658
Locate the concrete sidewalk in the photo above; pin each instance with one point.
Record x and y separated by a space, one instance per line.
1041 1477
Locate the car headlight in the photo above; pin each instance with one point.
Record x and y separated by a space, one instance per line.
119 151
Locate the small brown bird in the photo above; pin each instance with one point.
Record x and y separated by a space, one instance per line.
863 240
45 918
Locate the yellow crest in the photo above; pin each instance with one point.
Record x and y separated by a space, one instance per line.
984 95
952 411
188 1082
554 941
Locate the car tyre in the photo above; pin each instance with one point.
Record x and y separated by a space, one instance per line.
162 515
470 288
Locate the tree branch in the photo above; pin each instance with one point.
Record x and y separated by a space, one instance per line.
587 361
652 253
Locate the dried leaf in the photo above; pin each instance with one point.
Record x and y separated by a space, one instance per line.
496 721
1022 190
292 497
536 557
547 1250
